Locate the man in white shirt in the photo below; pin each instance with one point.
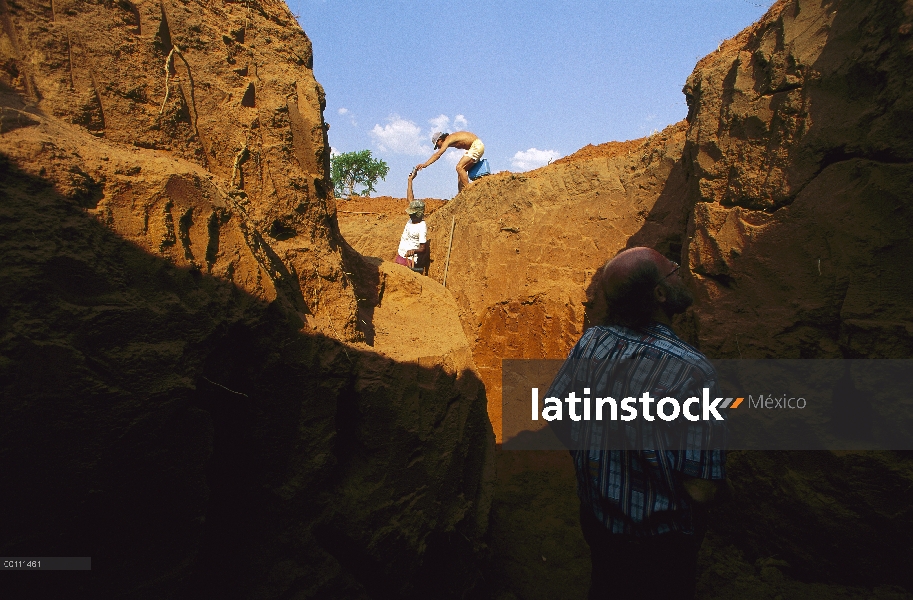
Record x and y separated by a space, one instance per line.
414 239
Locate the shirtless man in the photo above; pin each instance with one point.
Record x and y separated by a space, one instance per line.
463 140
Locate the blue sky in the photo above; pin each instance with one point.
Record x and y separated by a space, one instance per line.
534 80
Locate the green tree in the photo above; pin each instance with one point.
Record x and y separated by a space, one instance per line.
351 169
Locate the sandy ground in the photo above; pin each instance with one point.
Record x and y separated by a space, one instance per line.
382 205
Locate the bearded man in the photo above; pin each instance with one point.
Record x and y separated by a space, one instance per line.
641 483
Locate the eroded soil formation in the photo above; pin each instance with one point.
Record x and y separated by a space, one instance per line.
214 381
188 393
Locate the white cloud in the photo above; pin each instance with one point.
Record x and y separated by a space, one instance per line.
333 151
345 111
443 123
533 158
400 136
439 123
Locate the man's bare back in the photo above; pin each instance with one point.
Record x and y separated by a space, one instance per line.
460 139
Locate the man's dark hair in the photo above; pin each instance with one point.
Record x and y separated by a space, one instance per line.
632 303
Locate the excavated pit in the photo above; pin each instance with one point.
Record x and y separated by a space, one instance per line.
785 195
216 383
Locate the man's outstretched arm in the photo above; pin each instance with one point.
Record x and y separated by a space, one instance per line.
433 158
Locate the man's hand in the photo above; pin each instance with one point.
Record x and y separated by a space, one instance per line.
418 168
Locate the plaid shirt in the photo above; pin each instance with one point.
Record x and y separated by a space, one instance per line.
639 491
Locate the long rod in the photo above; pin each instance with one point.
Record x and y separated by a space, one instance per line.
449 246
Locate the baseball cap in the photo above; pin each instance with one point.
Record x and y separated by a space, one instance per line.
416 206
436 136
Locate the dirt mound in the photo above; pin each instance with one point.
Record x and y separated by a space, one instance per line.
799 150
525 245
607 150
365 210
800 145
220 89
382 205
185 369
